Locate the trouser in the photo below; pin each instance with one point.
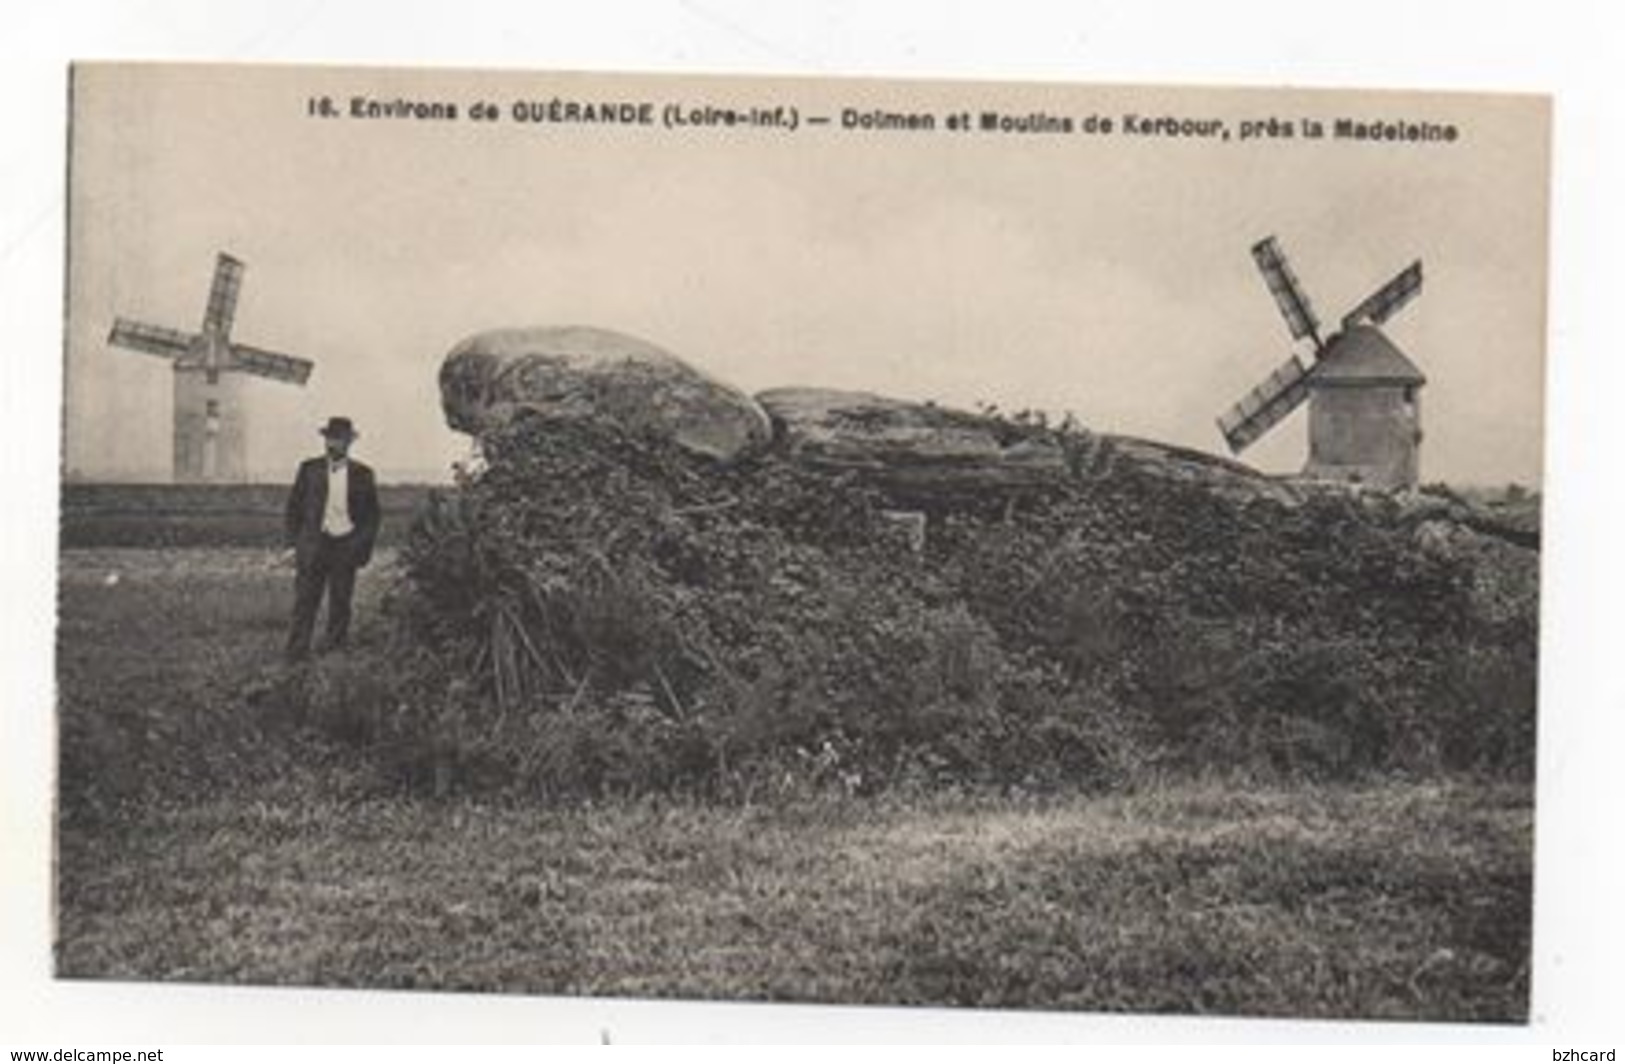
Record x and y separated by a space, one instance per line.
330 568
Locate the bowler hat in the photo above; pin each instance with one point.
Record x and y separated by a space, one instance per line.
340 426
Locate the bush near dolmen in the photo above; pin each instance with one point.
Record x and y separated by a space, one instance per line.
599 612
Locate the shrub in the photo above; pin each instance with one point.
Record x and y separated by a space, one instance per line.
599 613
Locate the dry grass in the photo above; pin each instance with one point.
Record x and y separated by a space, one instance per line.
1396 901
203 843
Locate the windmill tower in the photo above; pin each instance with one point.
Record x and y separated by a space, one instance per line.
1364 394
210 422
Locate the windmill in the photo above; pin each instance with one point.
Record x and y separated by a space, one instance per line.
1364 409
210 422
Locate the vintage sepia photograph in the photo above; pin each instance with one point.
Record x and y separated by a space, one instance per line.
991 545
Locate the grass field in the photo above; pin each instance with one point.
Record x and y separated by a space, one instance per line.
202 838
201 515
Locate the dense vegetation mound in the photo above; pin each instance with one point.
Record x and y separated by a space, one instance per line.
596 613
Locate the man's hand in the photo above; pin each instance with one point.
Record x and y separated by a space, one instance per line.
286 558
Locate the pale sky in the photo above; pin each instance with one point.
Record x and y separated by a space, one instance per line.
1108 276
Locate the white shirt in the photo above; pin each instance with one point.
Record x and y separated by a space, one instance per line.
336 515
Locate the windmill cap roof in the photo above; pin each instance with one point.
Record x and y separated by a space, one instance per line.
1362 355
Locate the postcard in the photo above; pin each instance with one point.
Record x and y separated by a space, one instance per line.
847 541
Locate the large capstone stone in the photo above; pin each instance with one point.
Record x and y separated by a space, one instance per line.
916 452
582 372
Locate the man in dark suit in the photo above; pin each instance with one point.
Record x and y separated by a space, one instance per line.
332 523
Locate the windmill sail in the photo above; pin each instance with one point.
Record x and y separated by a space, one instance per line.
152 339
1260 409
222 308
264 363
1385 302
1283 285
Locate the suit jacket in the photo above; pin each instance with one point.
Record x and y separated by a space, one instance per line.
308 500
